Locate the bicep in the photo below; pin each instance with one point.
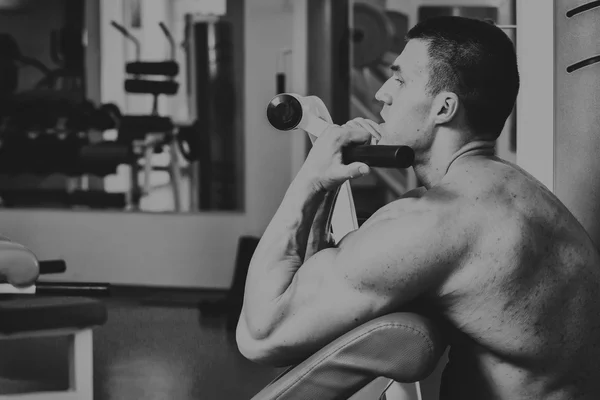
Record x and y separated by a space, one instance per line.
376 271
319 306
370 274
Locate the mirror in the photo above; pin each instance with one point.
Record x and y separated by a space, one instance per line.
122 105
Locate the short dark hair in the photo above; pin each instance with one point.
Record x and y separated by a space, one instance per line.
477 61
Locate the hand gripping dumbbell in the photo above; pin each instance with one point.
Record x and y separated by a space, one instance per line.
289 111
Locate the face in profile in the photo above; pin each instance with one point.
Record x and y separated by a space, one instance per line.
406 102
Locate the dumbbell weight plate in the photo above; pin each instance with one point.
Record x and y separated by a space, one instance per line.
400 23
373 33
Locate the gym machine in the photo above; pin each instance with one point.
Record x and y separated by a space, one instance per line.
43 310
48 136
151 133
214 98
52 150
211 158
377 38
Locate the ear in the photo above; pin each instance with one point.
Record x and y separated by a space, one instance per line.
446 105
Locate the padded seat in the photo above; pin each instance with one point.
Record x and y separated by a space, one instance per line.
26 313
404 347
31 316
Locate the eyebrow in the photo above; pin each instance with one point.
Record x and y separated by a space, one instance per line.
396 70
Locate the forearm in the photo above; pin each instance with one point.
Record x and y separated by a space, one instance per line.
279 254
320 237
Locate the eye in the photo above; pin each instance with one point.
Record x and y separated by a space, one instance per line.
400 82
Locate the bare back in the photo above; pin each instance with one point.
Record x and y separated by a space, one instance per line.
525 303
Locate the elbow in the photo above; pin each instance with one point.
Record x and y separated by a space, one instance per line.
260 353
248 345
259 350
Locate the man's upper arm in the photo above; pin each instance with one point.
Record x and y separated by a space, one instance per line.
400 255
375 271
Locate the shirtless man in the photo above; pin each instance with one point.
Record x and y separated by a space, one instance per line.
483 243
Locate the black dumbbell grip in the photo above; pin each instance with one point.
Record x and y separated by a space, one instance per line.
379 156
52 267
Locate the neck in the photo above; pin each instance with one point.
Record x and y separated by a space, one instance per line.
433 166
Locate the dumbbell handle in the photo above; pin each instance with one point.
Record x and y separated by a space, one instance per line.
47 267
52 267
379 156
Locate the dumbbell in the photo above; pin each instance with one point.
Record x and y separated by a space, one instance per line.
107 116
289 111
22 270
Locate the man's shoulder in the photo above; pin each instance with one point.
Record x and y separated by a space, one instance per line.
430 220
417 206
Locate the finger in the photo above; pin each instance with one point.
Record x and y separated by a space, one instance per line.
355 136
351 124
370 126
356 170
376 127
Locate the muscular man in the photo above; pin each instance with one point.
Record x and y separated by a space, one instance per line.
483 243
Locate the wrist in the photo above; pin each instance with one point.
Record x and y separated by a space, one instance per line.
309 182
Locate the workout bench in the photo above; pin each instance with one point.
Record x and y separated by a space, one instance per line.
29 314
403 347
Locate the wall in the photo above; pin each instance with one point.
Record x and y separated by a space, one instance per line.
577 120
535 104
188 250
269 29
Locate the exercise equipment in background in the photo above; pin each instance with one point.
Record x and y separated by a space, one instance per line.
281 74
151 133
140 71
11 61
216 169
45 136
55 288
52 150
377 39
48 310
67 51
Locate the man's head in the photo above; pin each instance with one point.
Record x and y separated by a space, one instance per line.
454 72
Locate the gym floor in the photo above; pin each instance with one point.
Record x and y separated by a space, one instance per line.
170 351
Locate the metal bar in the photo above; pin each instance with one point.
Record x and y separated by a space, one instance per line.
129 36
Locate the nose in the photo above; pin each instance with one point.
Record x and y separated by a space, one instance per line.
383 96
